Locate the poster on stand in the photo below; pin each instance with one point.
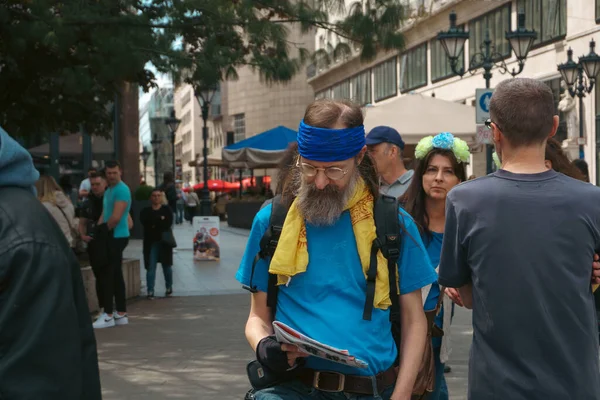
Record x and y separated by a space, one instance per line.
206 239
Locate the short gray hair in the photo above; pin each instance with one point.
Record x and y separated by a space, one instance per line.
523 109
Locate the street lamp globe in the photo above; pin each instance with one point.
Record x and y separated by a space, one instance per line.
205 93
521 39
145 154
453 40
569 70
591 62
173 123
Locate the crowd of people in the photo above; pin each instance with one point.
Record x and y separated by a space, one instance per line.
518 247
326 257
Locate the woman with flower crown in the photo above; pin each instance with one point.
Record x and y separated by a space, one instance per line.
440 166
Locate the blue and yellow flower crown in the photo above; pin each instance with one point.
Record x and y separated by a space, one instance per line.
446 141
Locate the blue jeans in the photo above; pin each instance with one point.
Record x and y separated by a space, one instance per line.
295 390
179 213
440 390
151 273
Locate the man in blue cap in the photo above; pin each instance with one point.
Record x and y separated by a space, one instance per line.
385 147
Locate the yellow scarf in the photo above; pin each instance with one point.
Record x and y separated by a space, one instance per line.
291 255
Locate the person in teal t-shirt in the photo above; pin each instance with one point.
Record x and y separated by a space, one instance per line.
323 251
440 167
115 220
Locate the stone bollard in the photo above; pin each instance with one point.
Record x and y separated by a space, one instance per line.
131 275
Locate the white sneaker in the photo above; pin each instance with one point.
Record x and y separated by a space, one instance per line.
120 320
104 321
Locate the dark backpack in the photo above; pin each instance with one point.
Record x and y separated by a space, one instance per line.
388 241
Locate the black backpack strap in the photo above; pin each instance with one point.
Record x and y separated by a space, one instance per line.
268 245
388 241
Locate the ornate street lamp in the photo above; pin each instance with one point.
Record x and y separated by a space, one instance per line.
453 42
205 94
173 124
145 154
580 78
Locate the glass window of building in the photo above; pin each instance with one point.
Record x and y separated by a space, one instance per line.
361 88
497 23
413 68
239 127
558 92
386 80
547 17
341 91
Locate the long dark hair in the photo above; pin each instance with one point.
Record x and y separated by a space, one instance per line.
414 199
560 162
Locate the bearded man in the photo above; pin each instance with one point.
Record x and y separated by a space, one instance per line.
320 263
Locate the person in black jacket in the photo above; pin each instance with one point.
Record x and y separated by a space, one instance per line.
156 220
48 349
170 191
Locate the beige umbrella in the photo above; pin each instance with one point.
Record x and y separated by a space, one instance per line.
415 116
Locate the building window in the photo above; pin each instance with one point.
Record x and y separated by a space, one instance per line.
440 64
361 88
186 98
342 91
413 68
598 11
239 127
386 80
187 118
547 17
558 91
497 23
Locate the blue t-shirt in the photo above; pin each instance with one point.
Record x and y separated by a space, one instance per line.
434 250
119 192
326 302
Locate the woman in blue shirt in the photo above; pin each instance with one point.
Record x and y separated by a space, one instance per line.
440 167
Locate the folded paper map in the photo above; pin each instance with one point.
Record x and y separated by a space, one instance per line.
285 334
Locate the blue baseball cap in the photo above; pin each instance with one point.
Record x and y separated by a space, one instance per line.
385 134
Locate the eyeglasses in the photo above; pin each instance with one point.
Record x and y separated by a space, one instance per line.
488 123
333 173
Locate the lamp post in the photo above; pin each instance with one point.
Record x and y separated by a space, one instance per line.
155 142
145 154
205 94
580 78
173 124
453 42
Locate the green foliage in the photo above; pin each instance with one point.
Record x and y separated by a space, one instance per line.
62 62
143 192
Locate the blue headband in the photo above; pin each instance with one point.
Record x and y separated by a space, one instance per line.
328 145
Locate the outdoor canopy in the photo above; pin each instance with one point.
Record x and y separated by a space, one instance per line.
415 116
264 150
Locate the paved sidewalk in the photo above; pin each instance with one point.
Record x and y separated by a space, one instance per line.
197 278
192 346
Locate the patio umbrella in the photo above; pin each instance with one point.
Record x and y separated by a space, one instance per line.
264 150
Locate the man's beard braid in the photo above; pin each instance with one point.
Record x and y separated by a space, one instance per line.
323 207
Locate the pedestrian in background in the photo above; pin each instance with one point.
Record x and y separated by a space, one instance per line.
180 205
157 220
60 207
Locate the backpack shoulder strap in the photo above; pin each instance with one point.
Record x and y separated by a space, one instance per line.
388 241
268 245
278 214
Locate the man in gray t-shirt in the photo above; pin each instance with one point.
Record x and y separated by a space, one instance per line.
518 244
